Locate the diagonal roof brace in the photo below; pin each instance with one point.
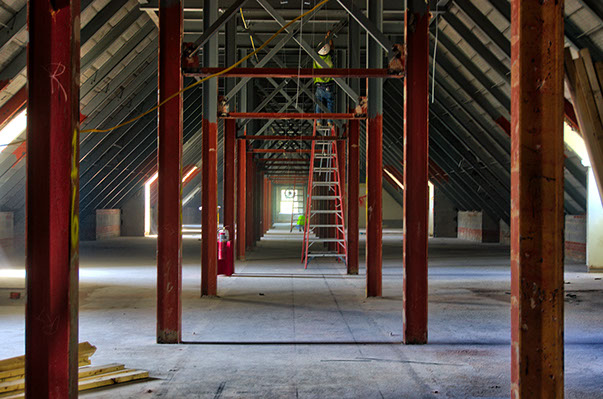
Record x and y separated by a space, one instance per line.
215 27
366 23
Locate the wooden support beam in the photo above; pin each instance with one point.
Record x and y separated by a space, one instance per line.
169 217
537 221
52 200
241 198
352 194
584 81
416 160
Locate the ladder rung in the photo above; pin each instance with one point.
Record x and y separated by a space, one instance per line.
324 183
325 255
325 169
324 197
313 226
325 212
327 240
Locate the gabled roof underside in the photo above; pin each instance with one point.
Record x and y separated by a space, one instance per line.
469 140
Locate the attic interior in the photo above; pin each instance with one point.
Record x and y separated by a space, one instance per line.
172 202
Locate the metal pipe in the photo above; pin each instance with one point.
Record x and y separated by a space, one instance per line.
209 194
374 161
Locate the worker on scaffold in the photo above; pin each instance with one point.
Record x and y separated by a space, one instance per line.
325 87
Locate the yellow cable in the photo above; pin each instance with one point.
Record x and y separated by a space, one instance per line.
250 36
215 75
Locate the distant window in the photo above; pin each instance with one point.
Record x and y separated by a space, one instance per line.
291 201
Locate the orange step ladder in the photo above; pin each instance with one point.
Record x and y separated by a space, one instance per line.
324 184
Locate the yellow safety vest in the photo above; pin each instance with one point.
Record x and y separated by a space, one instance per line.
329 61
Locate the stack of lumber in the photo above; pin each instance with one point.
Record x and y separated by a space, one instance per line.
584 80
12 373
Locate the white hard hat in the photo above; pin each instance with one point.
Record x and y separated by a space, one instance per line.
326 49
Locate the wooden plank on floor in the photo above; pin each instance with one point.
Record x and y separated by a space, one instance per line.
15 374
89 372
126 375
89 378
85 350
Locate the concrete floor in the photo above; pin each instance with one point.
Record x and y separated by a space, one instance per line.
279 331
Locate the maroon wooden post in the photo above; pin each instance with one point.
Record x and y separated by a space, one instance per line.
169 206
352 194
51 314
241 198
416 154
250 240
537 221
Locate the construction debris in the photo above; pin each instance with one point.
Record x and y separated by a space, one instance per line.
12 373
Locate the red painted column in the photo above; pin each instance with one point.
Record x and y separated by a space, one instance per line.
374 193
537 221
270 204
261 189
265 205
51 314
416 194
169 206
352 194
209 210
241 198
250 237
229 183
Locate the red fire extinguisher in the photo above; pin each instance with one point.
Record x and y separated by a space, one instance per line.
225 255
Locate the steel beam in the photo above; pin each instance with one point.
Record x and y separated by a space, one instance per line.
374 31
308 49
285 115
353 194
292 138
374 161
279 151
537 222
416 156
209 194
169 183
211 31
294 73
52 211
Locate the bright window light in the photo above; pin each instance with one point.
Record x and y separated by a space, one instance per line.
147 204
291 202
147 199
398 182
13 129
574 141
